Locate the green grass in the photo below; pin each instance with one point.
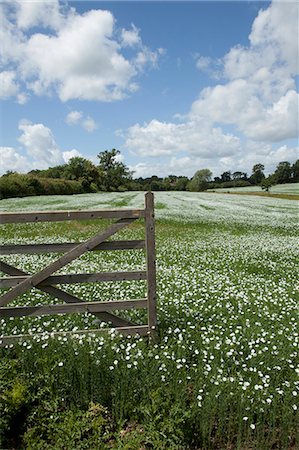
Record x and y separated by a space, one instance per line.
225 372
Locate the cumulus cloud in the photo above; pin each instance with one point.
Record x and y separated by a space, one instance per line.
39 150
9 87
40 143
257 101
44 13
161 138
78 118
77 56
260 96
70 154
11 159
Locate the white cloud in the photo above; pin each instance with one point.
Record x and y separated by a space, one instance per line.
130 38
10 88
277 27
70 154
11 159
8 85
89 124
44 13
73 117
260 97
39 147
79 56
160 138
257 100
77 118
40 144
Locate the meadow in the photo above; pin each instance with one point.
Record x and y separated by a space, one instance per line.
224 373
290 188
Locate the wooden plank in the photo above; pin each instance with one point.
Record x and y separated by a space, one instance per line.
141 330
151 262
51 248
70 308
37 278
78 278
65 296
59 216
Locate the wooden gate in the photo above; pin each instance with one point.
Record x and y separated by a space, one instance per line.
45 280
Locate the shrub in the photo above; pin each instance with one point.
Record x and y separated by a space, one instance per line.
18 185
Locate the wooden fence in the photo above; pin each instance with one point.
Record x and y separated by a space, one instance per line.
45 280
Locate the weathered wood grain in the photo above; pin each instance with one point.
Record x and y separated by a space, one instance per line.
151 261
77 278
66 297
61 216
70 308
37 278
57 248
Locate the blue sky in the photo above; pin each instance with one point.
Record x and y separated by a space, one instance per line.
176 86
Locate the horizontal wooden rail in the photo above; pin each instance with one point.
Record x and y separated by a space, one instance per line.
60 216
77 278
141 330
51 248
47 280
71 308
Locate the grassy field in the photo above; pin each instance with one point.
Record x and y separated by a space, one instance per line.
290 189
225 372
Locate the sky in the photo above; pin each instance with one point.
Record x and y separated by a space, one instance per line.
176 86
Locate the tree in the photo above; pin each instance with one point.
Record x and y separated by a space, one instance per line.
83 170
181 184
257 173
113 174
267 183
226 176
239 176
283 173
295 172
200 180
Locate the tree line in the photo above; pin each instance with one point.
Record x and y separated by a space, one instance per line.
80 175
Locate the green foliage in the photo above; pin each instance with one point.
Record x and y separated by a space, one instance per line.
267 183
295 171
58 428
283 173
113 174
200 181
257 174
13 402
18 185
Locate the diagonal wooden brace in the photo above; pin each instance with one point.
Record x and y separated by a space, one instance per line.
37 278
66 297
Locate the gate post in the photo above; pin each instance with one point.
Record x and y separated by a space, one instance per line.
151 263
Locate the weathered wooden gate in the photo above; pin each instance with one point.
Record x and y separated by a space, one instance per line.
45 280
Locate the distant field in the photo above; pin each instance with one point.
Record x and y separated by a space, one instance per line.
225 374
278 189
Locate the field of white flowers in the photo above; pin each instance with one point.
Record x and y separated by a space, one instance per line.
225 372
289 188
